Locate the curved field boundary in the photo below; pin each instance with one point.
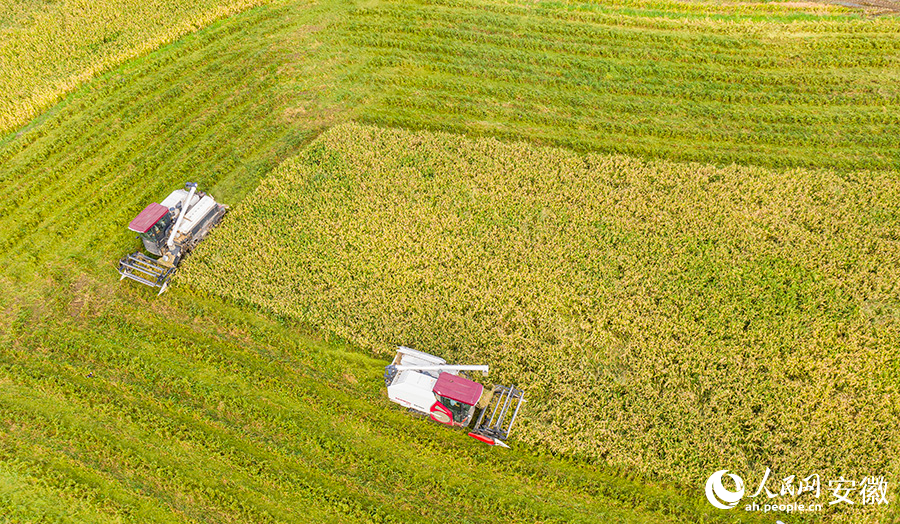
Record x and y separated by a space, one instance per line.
48 49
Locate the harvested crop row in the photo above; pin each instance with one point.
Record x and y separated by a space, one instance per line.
677 318
128 415
48 50
776 90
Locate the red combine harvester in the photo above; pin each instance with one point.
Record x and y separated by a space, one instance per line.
427 384
169 231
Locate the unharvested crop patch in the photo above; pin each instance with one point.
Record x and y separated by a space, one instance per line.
677 318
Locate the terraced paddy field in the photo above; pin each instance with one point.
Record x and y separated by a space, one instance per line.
121 407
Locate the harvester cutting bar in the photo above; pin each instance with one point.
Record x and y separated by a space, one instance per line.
143 269
503 407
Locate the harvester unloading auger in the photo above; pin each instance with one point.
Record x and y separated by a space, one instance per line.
427 384
170 230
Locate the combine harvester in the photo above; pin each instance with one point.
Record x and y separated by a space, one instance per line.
170 230
427 384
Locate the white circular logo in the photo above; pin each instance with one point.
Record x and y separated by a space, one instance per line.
720 497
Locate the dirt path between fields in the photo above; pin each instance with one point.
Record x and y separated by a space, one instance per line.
879 7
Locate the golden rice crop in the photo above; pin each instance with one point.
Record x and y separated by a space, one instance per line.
48 51
676 318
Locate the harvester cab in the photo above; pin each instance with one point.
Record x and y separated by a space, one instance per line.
151 226
169 230
427 384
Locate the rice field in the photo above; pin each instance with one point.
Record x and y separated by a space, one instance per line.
116 408
48 49
671 318
774 84
120 407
